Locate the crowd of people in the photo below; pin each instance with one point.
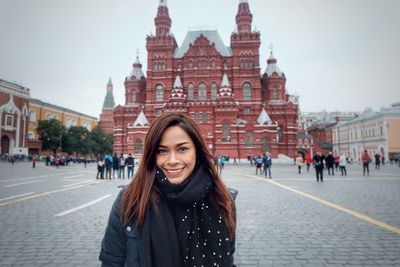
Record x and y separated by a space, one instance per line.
111 166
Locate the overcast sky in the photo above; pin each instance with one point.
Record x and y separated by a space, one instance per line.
337 54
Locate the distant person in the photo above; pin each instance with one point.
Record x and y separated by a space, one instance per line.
100 169
121 167
365 159
34 158
383 160
129 162
377 162
342 164
267 163
115 164
299 163
259 165
330 162
108 161
318 161
308 160
337 160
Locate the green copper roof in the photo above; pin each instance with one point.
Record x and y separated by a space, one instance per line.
109 102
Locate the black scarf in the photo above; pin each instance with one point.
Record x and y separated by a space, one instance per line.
185 229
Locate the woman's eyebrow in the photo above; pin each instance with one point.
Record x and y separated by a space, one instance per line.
180 144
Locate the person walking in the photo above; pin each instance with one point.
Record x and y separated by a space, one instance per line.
337 160
365 159
299 163
342 164
267 163
177 211
34 158
318 161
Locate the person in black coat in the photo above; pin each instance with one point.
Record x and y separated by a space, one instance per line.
330 162
318 161
177 211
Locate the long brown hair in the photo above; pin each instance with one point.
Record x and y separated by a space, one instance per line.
141 190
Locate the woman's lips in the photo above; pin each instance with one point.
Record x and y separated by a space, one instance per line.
174 173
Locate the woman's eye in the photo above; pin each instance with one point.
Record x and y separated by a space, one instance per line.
183 149
161 151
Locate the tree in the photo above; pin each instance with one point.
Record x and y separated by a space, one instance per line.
51 134
76 140
100 142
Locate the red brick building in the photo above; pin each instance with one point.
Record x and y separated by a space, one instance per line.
240 111
14 121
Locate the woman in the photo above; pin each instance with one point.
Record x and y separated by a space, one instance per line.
299 162
342 164
176 211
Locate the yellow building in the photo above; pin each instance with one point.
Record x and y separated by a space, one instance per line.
39 110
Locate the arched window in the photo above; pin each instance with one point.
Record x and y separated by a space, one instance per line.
213 92
134 97
138 146
246 91
32 116
197 116
159 93
202 92
265 144
249 139
275 94
205 117
190 91
226 132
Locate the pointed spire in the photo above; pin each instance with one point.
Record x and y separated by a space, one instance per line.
162 20
244 17
177 95
178 83
109 102
272 65
136 73
141 120
225 91
264 118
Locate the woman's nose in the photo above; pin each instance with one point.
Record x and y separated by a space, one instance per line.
172 158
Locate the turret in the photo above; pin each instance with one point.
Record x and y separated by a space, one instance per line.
162 20
244 17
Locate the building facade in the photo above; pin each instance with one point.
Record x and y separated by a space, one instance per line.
240 111
14 106
376 132
39 111
307 119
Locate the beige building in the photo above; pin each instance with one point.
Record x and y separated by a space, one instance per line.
376 132
39 110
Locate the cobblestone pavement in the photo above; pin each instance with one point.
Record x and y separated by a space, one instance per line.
57 217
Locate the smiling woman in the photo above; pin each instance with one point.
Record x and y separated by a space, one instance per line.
176 211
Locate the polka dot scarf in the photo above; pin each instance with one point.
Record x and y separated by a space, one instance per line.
185 229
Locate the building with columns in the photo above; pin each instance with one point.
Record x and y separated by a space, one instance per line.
376 132
240 110
14 106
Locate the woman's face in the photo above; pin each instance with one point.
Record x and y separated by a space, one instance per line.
176 155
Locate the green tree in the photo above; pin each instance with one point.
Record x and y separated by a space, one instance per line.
51 133
76 140
100 142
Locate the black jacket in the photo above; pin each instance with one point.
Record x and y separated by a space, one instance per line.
122 245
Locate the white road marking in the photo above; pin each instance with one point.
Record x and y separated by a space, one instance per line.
31 182
34 177
16 196
79 183
82 206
